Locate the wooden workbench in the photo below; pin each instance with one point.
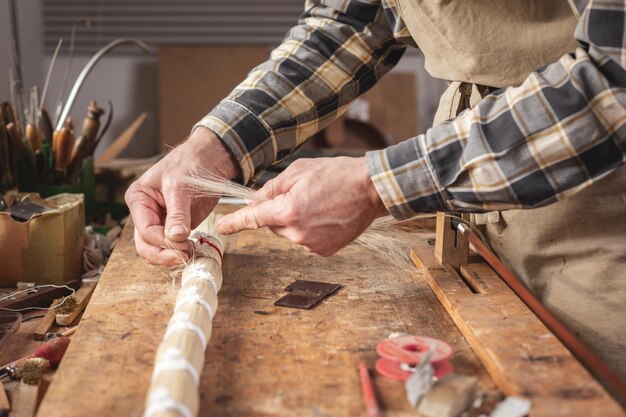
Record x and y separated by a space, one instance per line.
262 360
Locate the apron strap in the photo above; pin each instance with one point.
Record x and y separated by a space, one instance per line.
466 92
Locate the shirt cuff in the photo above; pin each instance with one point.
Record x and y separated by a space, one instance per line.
242 132
405 180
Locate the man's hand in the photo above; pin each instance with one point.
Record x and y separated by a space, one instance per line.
163 208
322 204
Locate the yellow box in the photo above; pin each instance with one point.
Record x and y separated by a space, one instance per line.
48 248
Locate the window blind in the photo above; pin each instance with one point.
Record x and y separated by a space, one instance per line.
169 22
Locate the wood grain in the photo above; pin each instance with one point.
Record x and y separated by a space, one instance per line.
262 360
520 353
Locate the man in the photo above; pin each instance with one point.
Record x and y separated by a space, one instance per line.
559 130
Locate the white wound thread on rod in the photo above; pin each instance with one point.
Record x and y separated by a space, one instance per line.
160 401
180 357
183 323
198 271
173 359
191 295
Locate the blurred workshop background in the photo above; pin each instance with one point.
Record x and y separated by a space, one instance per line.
200 50
85 110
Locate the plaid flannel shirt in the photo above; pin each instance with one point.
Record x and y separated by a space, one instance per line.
562 129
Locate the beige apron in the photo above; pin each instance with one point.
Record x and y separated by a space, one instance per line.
572 253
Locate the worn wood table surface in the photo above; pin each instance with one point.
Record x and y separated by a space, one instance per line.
262 360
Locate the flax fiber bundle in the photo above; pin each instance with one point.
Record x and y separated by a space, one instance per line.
179 361
389 238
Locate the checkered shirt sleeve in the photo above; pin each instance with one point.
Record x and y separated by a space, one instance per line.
337 51
561 130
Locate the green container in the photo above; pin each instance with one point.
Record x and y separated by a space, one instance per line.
84 184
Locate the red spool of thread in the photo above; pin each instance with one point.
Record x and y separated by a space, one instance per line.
409 351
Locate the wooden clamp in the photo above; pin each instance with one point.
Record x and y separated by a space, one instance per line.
451 247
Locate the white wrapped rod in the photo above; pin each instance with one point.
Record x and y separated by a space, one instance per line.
179 361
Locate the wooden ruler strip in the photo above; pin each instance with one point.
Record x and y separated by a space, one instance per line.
46 323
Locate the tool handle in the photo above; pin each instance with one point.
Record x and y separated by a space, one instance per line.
16 138
45 126
33 137
10 116
91 125
63 144
52 350
369 395
79 152
90 130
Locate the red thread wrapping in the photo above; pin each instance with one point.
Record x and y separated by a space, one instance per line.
205 241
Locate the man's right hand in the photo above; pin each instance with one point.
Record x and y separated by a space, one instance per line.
163 208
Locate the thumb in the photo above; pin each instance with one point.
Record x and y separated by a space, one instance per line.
178 220
262 214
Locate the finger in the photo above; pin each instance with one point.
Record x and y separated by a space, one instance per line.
265 213
277 186
159 256
178 212
146 214
169 256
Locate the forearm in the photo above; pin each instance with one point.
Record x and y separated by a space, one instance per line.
220 160
521 147
337 51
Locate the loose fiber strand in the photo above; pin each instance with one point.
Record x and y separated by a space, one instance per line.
209 185
388 237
